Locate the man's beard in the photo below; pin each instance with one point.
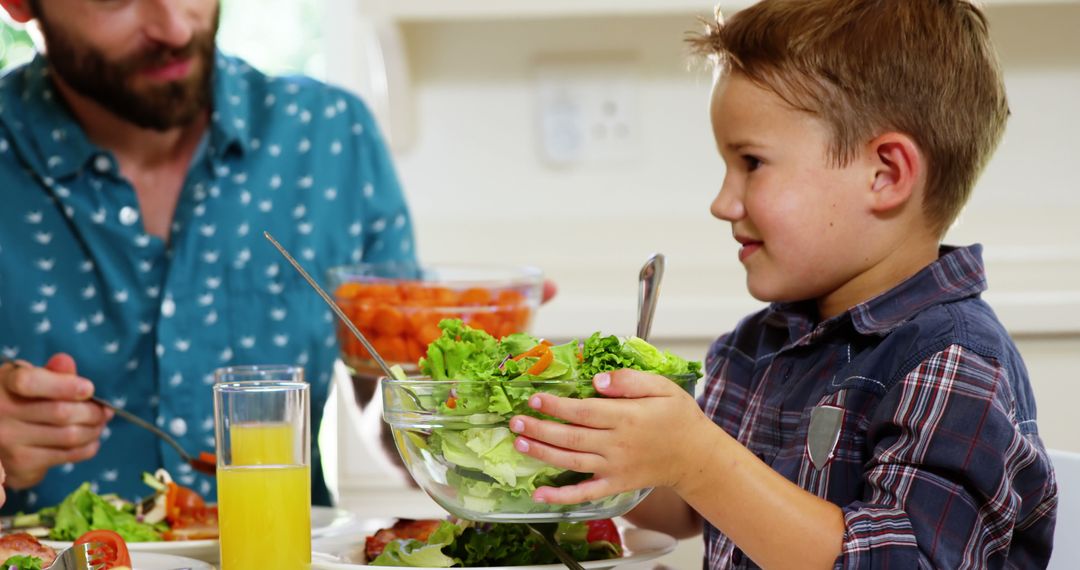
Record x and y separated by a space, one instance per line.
111 84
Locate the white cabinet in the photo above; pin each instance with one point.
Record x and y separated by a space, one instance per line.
406 10
427 10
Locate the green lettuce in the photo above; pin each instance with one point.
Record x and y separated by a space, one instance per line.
421 554
84 510
22 563
470 544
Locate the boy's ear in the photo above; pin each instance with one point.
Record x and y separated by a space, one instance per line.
898 170
19 10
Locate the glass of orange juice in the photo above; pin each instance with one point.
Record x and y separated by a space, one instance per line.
262 424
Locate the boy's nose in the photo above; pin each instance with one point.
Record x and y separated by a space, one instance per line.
168 22
728 205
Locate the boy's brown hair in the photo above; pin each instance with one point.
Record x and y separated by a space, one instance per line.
925 68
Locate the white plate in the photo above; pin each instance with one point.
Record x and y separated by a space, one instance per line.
324 521
639 545
206 550
328 520
151 561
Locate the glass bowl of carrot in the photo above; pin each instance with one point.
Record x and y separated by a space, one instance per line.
398 306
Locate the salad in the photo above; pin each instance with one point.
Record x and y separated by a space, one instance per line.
489 380
445 544
169 512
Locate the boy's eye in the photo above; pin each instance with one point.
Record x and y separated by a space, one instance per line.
752 162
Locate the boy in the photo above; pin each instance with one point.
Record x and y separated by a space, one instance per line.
877 414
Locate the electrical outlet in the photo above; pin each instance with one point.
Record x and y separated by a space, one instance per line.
588 111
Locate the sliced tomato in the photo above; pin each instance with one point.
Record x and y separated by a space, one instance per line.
188 515
182 503
112 550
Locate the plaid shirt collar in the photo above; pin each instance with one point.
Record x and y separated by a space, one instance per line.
958 273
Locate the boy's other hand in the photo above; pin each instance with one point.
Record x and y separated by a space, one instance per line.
46 419
549 291
646 434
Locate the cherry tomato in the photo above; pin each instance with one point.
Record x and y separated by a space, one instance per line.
603 531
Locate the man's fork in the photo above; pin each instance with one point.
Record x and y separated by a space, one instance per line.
86 556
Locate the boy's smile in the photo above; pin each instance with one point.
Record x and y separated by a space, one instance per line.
749 246
808 229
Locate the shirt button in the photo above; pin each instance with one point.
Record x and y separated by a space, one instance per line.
168 307
102 163
128 215
178 427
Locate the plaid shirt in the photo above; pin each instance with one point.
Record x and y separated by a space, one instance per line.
937 462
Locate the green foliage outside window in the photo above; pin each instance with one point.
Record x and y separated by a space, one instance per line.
276 36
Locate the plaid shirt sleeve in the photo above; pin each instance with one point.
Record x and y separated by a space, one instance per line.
953 480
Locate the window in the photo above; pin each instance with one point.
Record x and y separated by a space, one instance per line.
276 36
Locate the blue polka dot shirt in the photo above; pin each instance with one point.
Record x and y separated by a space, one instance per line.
147 320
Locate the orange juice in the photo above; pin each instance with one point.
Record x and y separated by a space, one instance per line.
263 444
264 515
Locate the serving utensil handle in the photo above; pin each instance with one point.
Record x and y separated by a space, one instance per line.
333 306
648 291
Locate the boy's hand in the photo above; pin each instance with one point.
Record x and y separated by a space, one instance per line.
645 436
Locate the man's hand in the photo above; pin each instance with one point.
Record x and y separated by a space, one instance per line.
644 434
2 476
46 419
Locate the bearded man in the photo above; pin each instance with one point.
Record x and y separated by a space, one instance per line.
139 168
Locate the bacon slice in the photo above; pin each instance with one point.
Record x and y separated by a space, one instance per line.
22 544
402 529
196 523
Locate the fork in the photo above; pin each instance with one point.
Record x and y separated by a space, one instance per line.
197 463
554 547
86 556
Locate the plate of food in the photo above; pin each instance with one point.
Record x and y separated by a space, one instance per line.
171 520
433 543
202 549
21 551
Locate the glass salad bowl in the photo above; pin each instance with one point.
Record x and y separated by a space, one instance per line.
398 306
467 463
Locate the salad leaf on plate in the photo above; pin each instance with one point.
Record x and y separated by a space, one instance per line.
21 563
84 510
469 544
